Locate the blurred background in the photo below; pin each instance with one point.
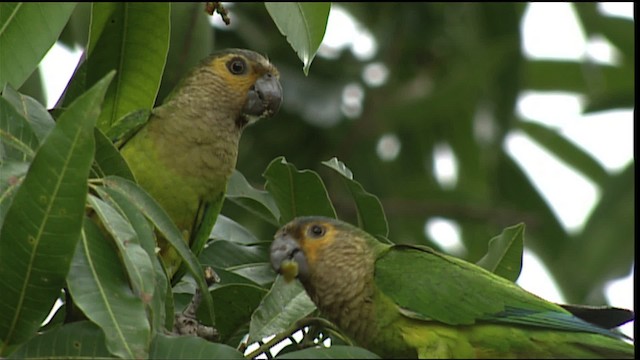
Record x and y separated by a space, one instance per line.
462 118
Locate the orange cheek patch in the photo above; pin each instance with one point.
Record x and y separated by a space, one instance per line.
311 247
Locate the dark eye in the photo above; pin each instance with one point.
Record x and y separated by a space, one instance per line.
316 231
237 66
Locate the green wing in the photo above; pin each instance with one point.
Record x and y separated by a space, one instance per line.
430 286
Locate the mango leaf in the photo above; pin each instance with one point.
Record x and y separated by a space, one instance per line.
257 201
36 115
227 229
27 32
297 193
333 352
107 160
371 217
303 24
17 140
160 304
76 340
49 205
283 305
12 174
225 254
100 288
132 38
190 347
504 257
135 259
156 214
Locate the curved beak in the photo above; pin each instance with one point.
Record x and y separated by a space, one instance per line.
264 98
285 247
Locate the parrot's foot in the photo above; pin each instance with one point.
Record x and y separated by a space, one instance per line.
186 323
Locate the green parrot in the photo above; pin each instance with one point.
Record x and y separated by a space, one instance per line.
185 153
411 301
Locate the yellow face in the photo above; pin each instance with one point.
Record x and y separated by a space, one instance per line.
316 236
242 69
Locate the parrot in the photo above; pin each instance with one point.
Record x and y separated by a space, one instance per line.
185 153
410 301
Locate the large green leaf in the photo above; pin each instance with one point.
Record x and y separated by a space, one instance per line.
504 257
156 214
303 24
132 38
36 115
108 160
297 193
190 347
257 201
78 340
12 174
283 305
227 229
100 288
371 217
27 32
17 140
43 224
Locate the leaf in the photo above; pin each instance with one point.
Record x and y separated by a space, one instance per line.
333 352
133 39
36 115
283 305
225 254
108 160
136 260
49 205
12 174
238 302
297 193
504 257
371 217
156 214
303 24
100 288
257 201
227 229
190 347
17 140
567 151
77 340
27 32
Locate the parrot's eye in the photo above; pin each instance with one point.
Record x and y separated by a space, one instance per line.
316 231
237 66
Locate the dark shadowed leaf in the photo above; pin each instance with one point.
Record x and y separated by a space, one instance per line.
190 347
334 352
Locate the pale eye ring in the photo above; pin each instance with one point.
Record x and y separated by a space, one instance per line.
316 231
237 66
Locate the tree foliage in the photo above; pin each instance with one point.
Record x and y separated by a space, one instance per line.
455 73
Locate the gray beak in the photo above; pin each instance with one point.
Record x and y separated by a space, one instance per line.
264 98
284 247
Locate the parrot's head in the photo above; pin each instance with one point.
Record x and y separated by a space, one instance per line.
244 83
316 249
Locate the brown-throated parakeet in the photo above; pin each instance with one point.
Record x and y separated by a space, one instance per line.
411 301
187 150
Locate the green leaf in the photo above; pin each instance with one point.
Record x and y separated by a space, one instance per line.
135 258
303 24
36 115
156 214
132 38
100 288
334 352
297 193
257 201
27 32
238 301
190 347
566 150
17 140
128 125
227 229
77 340
160 303
49 205
225 254
283 305
504 257
108 160
371 217
12 174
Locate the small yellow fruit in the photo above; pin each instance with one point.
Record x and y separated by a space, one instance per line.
289 269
